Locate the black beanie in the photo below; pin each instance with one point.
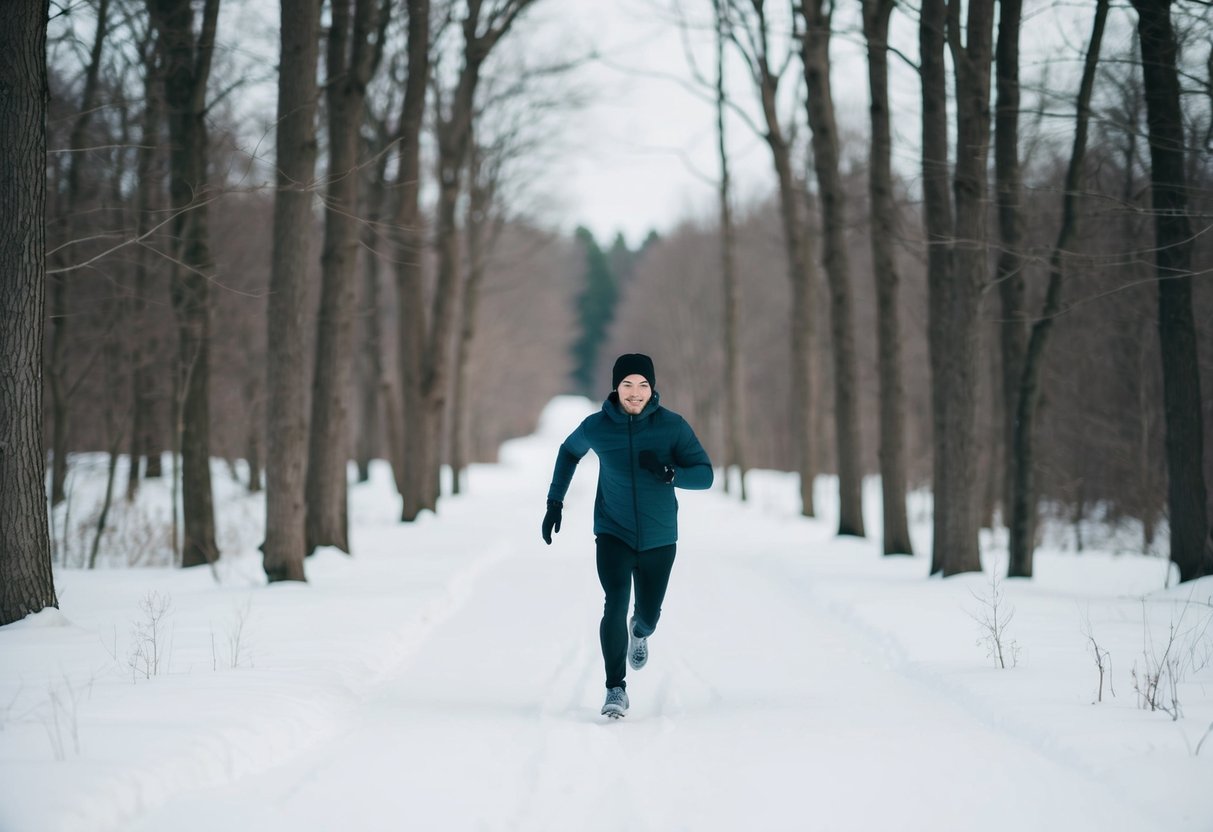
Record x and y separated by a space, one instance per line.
633 362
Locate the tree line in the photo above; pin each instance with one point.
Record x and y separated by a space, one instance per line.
1034 315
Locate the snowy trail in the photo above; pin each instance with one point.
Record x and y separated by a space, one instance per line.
448 677
758 710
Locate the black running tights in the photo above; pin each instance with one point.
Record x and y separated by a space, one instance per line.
619 565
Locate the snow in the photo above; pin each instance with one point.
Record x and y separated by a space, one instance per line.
447 676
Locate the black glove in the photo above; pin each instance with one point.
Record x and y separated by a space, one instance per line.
649 462
551 520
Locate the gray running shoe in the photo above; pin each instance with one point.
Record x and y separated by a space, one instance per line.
638 648
616 704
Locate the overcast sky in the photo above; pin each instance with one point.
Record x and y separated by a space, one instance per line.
640 151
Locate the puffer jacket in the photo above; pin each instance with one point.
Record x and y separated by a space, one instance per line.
633 504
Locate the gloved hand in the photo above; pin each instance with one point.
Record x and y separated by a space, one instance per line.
551 520
649 462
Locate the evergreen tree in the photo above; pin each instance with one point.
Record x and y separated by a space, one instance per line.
595 309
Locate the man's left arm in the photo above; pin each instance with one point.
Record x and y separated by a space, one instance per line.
692 468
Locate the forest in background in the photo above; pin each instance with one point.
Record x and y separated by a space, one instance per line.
378 285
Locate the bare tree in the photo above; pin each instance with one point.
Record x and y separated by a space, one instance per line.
956 262
734 414
1191 543
285 477
408 245
61 387
1027 392
883 232
147 202
1011 261
26 582
187 65
815 56
751 34
355 44
483 27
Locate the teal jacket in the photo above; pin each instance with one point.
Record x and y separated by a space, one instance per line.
632 504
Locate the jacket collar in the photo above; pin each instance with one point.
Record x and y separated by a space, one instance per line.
616 413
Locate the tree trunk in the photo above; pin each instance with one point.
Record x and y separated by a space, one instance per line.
954 367
820 105
350 60
1013 330
284 549
480 199
143 350
382 393
409 242
26 581
876 15
454 131
1027 395
1191 545
734 405
187 66
956 267
71 202
803 277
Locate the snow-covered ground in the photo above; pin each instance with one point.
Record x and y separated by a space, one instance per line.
447 677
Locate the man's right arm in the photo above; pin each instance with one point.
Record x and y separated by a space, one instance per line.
570 453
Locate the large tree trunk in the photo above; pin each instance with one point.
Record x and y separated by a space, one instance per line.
820 105
876 15
956 267
351 60
955 361
286 398
187 67
734 405
1013 327
1027 394
26 582
409 243
937 216
1191 544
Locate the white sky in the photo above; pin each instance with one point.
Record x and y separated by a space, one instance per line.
447 675
640 153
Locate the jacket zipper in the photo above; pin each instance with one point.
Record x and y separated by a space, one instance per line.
632 469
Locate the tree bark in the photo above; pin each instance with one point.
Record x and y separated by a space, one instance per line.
147 200
284 549
26 581
187 66
1191 544
801 272
70 202
1027 394
734 406
956 268
351 60
815 54
409 242
1013 329
454 129
896 533
476 224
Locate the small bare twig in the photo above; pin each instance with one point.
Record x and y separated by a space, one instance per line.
993 618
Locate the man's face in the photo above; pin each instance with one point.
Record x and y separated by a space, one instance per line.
634 393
